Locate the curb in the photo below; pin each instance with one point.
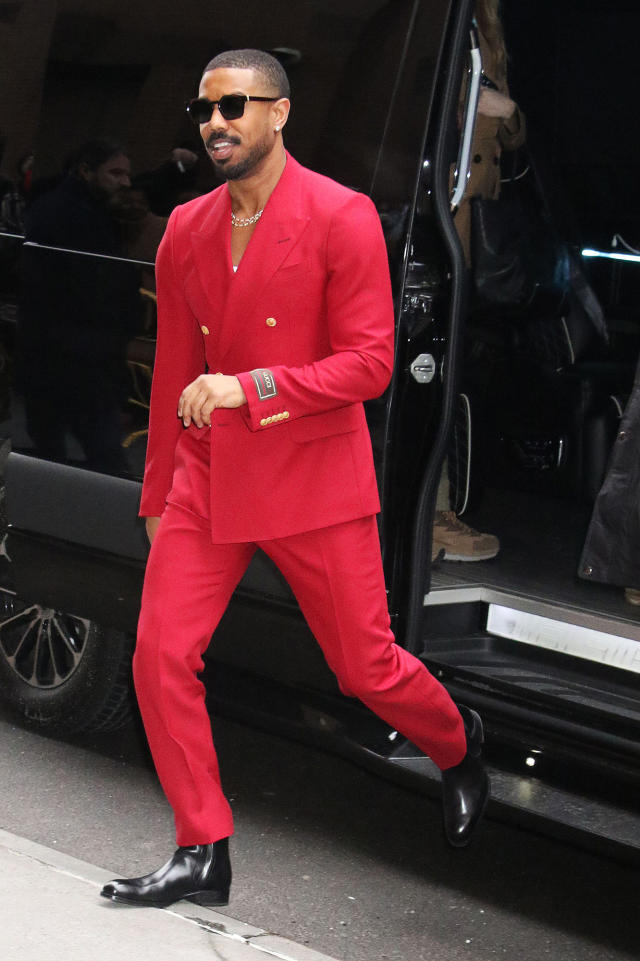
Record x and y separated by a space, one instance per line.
218 926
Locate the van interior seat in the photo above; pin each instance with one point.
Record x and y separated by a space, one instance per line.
546 391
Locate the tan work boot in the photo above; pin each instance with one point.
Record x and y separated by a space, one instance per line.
459 541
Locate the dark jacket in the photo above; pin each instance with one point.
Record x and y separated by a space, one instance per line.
77 312
611 552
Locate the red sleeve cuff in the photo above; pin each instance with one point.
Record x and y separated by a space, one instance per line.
264 407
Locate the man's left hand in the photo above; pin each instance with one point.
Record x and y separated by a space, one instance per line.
204 394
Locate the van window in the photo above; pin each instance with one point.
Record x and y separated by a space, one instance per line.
98 150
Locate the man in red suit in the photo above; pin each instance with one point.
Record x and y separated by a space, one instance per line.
275 323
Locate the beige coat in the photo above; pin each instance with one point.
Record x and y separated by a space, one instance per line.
491 137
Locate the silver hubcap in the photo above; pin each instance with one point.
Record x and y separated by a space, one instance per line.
44 647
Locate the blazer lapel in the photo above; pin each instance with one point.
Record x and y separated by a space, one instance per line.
211 249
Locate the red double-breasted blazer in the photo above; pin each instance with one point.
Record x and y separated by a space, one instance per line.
306 323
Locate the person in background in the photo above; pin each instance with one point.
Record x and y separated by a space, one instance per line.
14 196
79 307
14 199
142 230
174 182
500 125
611 551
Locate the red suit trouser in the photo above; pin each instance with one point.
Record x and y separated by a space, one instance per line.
336 576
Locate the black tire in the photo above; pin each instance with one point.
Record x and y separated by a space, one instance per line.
63 673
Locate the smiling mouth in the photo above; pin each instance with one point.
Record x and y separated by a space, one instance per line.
220 148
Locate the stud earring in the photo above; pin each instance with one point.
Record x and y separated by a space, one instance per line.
277 129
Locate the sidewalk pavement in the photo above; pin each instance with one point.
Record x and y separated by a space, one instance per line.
50 910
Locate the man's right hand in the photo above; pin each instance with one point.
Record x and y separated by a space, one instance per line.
151 524
204 394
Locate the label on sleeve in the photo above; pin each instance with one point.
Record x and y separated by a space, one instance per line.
265 384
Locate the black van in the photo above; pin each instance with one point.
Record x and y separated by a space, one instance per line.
524 402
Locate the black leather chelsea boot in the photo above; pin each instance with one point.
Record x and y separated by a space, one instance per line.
465 787
200 873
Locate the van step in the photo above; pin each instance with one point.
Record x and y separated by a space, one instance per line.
553 680
596 609
597 824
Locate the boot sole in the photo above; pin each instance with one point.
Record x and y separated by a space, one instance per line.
203 898
209 899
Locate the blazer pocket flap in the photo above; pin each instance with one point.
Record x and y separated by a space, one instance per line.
315 426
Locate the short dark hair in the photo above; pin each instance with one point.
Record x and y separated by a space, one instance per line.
93 153
270 69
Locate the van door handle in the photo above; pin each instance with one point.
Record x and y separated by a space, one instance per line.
471 109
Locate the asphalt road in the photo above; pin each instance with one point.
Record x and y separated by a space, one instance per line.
328 855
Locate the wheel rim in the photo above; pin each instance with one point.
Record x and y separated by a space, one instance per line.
42 646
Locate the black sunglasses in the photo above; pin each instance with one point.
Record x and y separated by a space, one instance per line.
231 106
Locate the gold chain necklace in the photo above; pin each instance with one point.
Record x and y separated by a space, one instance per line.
245 221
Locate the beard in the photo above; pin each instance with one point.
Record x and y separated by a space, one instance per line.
243 167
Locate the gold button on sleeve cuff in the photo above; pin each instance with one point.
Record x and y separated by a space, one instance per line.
274 418
271 322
